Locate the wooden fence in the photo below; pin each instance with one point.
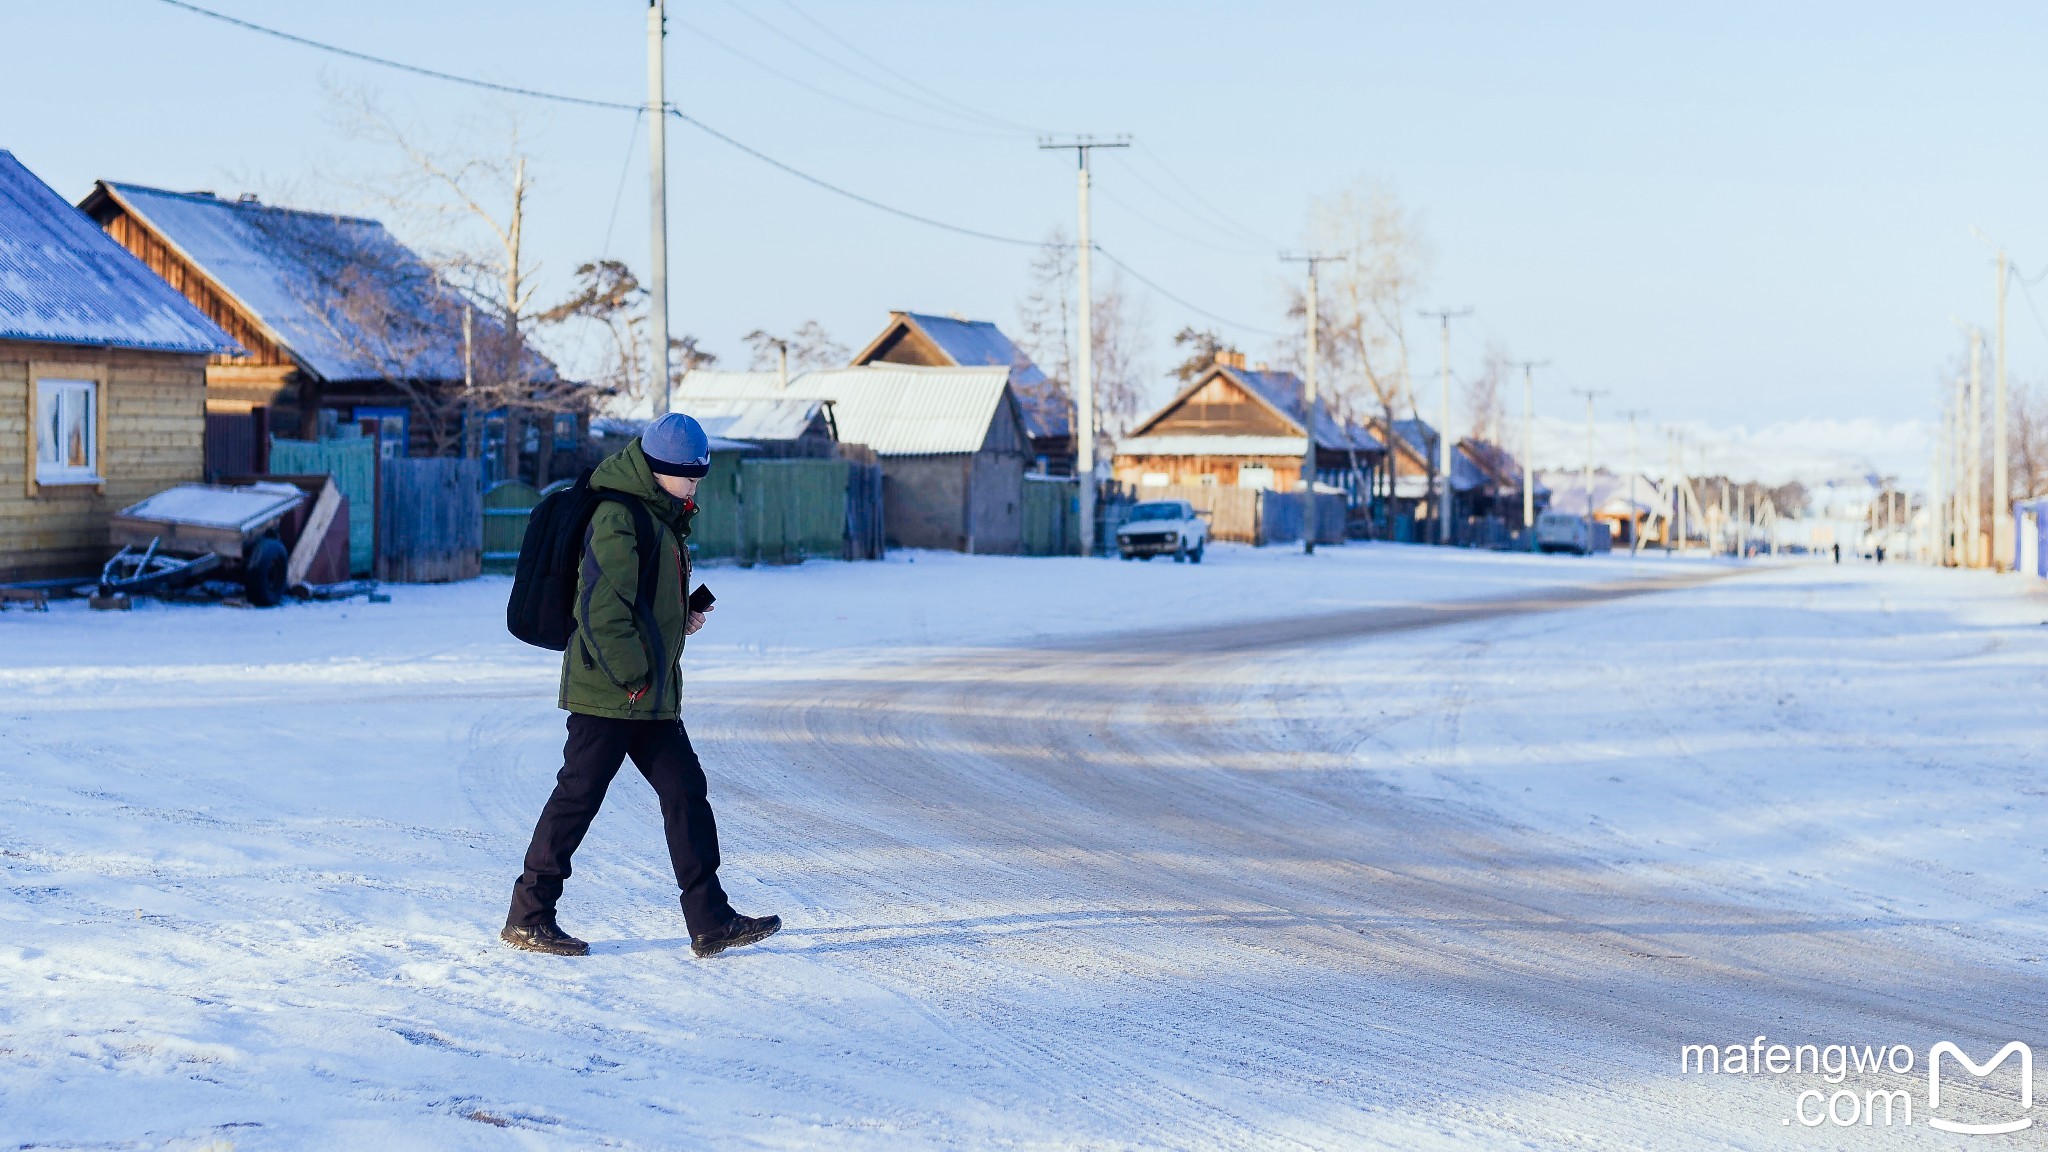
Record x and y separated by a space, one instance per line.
353 464
1255 515
1052 516
430 525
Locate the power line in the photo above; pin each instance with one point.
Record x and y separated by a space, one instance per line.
849 194
1173 232
1195 308
866 79
729 141
835 97
851 47
1220 215
510 89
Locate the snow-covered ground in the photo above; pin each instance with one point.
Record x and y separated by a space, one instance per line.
1071 853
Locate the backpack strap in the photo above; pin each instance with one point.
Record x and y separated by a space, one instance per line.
647 543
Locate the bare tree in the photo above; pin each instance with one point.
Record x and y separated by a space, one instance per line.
810 346
1483 402
1365 300
1118 320
471 206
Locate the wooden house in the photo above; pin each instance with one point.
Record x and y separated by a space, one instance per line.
1234 425
102 382
339 323
951 443
955 342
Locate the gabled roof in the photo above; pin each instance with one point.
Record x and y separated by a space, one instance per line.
979 343
895 409
304 278
1610 493
1280 391
63 281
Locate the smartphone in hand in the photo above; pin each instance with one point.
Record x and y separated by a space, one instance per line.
701 600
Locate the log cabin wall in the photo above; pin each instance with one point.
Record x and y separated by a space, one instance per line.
1220 408
151 424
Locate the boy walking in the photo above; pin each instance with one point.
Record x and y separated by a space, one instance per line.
622 688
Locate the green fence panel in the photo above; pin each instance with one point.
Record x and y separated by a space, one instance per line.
508 505
353 464
771 511
714 534
1052 524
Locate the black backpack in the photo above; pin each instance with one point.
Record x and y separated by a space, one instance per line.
542 609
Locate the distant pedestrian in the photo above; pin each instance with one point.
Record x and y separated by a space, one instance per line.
1880 554
1838 553
621 685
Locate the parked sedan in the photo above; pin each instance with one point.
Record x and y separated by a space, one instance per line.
1163 528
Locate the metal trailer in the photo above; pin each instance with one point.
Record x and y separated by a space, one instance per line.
203 531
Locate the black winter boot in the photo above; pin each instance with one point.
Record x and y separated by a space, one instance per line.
737 932
545 937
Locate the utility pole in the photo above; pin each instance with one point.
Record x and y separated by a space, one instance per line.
1529 445
1084 363
1587 472
1634 525
657 171
1976 457
1308 402
2001 471
1443 432
2001 476
1957 449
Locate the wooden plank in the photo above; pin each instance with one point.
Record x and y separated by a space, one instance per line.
313 534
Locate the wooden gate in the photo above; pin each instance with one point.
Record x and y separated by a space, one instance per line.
508 505
431 523
352 461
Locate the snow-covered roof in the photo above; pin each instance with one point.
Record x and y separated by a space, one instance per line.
895 409
64 281
1281 391
979 343
756 420
304 277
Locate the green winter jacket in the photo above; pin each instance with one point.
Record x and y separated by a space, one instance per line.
608 657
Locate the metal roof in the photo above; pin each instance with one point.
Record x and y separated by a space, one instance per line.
787 418
304 277
63 281
895 409
979 343
1610 492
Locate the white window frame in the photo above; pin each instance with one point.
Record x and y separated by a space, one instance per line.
48 385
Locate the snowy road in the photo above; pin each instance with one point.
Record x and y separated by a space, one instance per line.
1400 850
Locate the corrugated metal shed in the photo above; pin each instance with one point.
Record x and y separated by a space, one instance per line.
759 420
305 278
63 281
895 409
979 343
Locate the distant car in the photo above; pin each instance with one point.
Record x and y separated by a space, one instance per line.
1163 528
1564 532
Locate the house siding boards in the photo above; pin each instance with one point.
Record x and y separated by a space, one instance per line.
152 432
1230 420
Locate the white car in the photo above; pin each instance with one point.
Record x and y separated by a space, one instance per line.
1564 532
1163 528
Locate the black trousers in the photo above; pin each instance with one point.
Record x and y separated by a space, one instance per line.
591 757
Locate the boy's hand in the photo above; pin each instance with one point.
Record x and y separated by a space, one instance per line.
695 622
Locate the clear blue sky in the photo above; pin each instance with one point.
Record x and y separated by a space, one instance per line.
1738 212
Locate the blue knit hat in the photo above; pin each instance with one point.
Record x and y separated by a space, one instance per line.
676 445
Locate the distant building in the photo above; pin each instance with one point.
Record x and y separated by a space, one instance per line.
1240 426
954 342
1630 519
951 442
102 382
339 323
